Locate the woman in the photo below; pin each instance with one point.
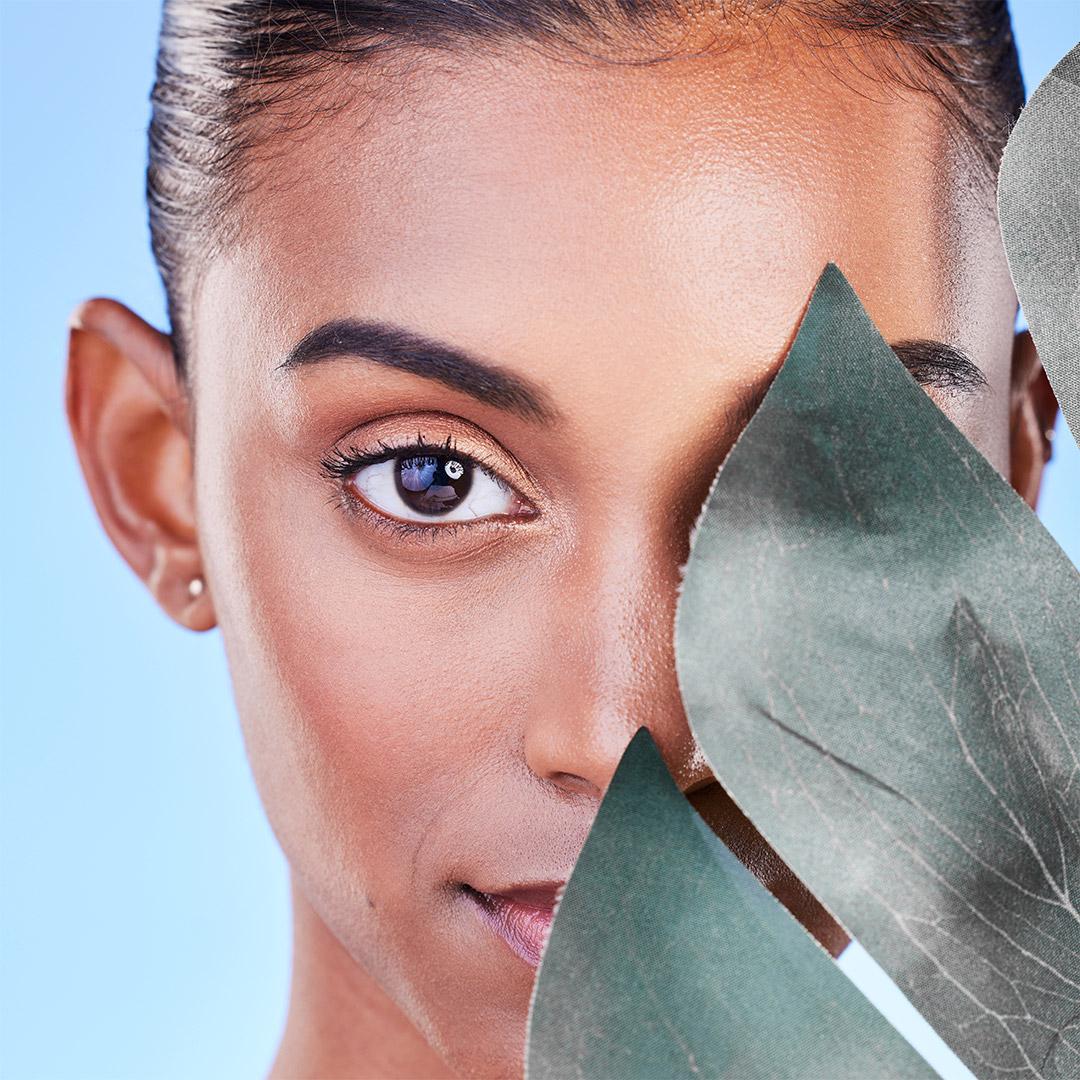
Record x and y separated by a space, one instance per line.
468 301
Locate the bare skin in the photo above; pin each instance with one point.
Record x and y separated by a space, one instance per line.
424 711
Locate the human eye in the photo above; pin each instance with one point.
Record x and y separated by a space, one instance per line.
427 486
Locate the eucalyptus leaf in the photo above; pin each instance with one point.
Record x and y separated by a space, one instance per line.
1039 210
878 646
668 959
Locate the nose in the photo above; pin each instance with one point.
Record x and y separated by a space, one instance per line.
616 671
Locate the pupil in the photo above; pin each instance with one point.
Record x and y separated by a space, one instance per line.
432 485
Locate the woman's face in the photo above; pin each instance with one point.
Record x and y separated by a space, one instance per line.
607 264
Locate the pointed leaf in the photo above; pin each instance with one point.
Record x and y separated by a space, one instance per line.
878 645
668 959
1039 210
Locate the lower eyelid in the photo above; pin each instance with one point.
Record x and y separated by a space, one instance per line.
418 532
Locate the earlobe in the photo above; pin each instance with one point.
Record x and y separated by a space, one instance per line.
130 419
1033 411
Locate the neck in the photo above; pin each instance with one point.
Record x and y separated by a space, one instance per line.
340 1022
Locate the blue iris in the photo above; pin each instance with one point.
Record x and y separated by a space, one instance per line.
433 485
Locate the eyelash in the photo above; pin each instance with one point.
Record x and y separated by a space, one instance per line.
340 464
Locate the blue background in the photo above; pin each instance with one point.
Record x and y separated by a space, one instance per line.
145 909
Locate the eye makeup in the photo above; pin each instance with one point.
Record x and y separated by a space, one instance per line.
423 488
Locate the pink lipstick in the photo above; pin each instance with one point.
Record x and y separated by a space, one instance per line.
520 916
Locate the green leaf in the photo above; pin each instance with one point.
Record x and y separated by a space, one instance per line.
878 646
668 959
1039 210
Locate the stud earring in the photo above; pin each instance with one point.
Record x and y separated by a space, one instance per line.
195 587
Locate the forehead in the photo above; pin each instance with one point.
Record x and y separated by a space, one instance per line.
528 207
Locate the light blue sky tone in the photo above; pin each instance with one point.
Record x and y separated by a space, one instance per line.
144 908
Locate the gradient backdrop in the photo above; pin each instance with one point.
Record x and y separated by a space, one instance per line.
145 910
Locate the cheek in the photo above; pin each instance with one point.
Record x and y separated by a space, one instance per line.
382 710
370 697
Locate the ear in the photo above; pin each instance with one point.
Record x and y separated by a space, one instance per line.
1033 410
130 418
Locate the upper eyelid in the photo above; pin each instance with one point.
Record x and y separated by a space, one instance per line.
405 449
518 477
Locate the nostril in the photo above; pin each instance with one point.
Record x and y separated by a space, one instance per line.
574 784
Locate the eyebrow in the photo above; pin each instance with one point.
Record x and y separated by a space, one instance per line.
396 347
931 363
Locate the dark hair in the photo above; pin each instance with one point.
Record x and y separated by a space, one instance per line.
230 71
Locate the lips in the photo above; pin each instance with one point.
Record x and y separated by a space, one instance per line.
520 916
